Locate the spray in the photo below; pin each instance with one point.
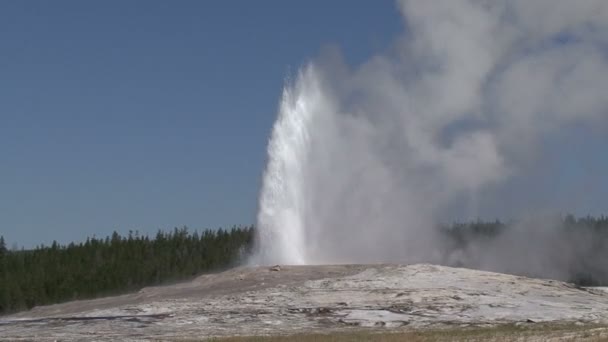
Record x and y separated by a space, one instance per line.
364 162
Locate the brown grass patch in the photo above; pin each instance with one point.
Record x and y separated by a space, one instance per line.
506 333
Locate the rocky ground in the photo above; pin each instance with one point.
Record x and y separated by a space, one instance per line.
296 299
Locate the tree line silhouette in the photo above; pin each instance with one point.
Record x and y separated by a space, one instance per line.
565 248
119 264
116 264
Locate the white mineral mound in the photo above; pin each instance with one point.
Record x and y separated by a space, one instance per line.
291 299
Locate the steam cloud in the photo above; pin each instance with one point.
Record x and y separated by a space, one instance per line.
364 162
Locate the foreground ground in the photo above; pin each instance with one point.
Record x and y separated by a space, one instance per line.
420 302
504 333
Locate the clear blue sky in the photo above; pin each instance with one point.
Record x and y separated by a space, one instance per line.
146 115
118 115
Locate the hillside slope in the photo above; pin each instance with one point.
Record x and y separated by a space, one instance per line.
294 299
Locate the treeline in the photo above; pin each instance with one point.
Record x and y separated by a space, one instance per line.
116 264
566 248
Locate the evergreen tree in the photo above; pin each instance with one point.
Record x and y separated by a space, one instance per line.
3 249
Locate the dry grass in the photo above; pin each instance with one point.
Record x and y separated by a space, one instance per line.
509 332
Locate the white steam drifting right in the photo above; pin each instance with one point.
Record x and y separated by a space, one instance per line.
363 162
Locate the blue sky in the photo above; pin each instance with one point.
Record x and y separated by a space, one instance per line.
118 115
146 115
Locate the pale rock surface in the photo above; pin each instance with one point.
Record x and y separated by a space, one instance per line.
292 299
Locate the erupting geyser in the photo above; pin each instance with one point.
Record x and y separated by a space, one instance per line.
364 161
282 201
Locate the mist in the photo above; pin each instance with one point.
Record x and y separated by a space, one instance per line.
364 162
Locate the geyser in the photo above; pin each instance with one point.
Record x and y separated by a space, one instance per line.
363 162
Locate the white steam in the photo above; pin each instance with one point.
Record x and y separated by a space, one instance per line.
363 162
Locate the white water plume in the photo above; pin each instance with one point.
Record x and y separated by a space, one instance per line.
283 199
363 162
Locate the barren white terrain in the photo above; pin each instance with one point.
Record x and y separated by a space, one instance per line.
295 299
